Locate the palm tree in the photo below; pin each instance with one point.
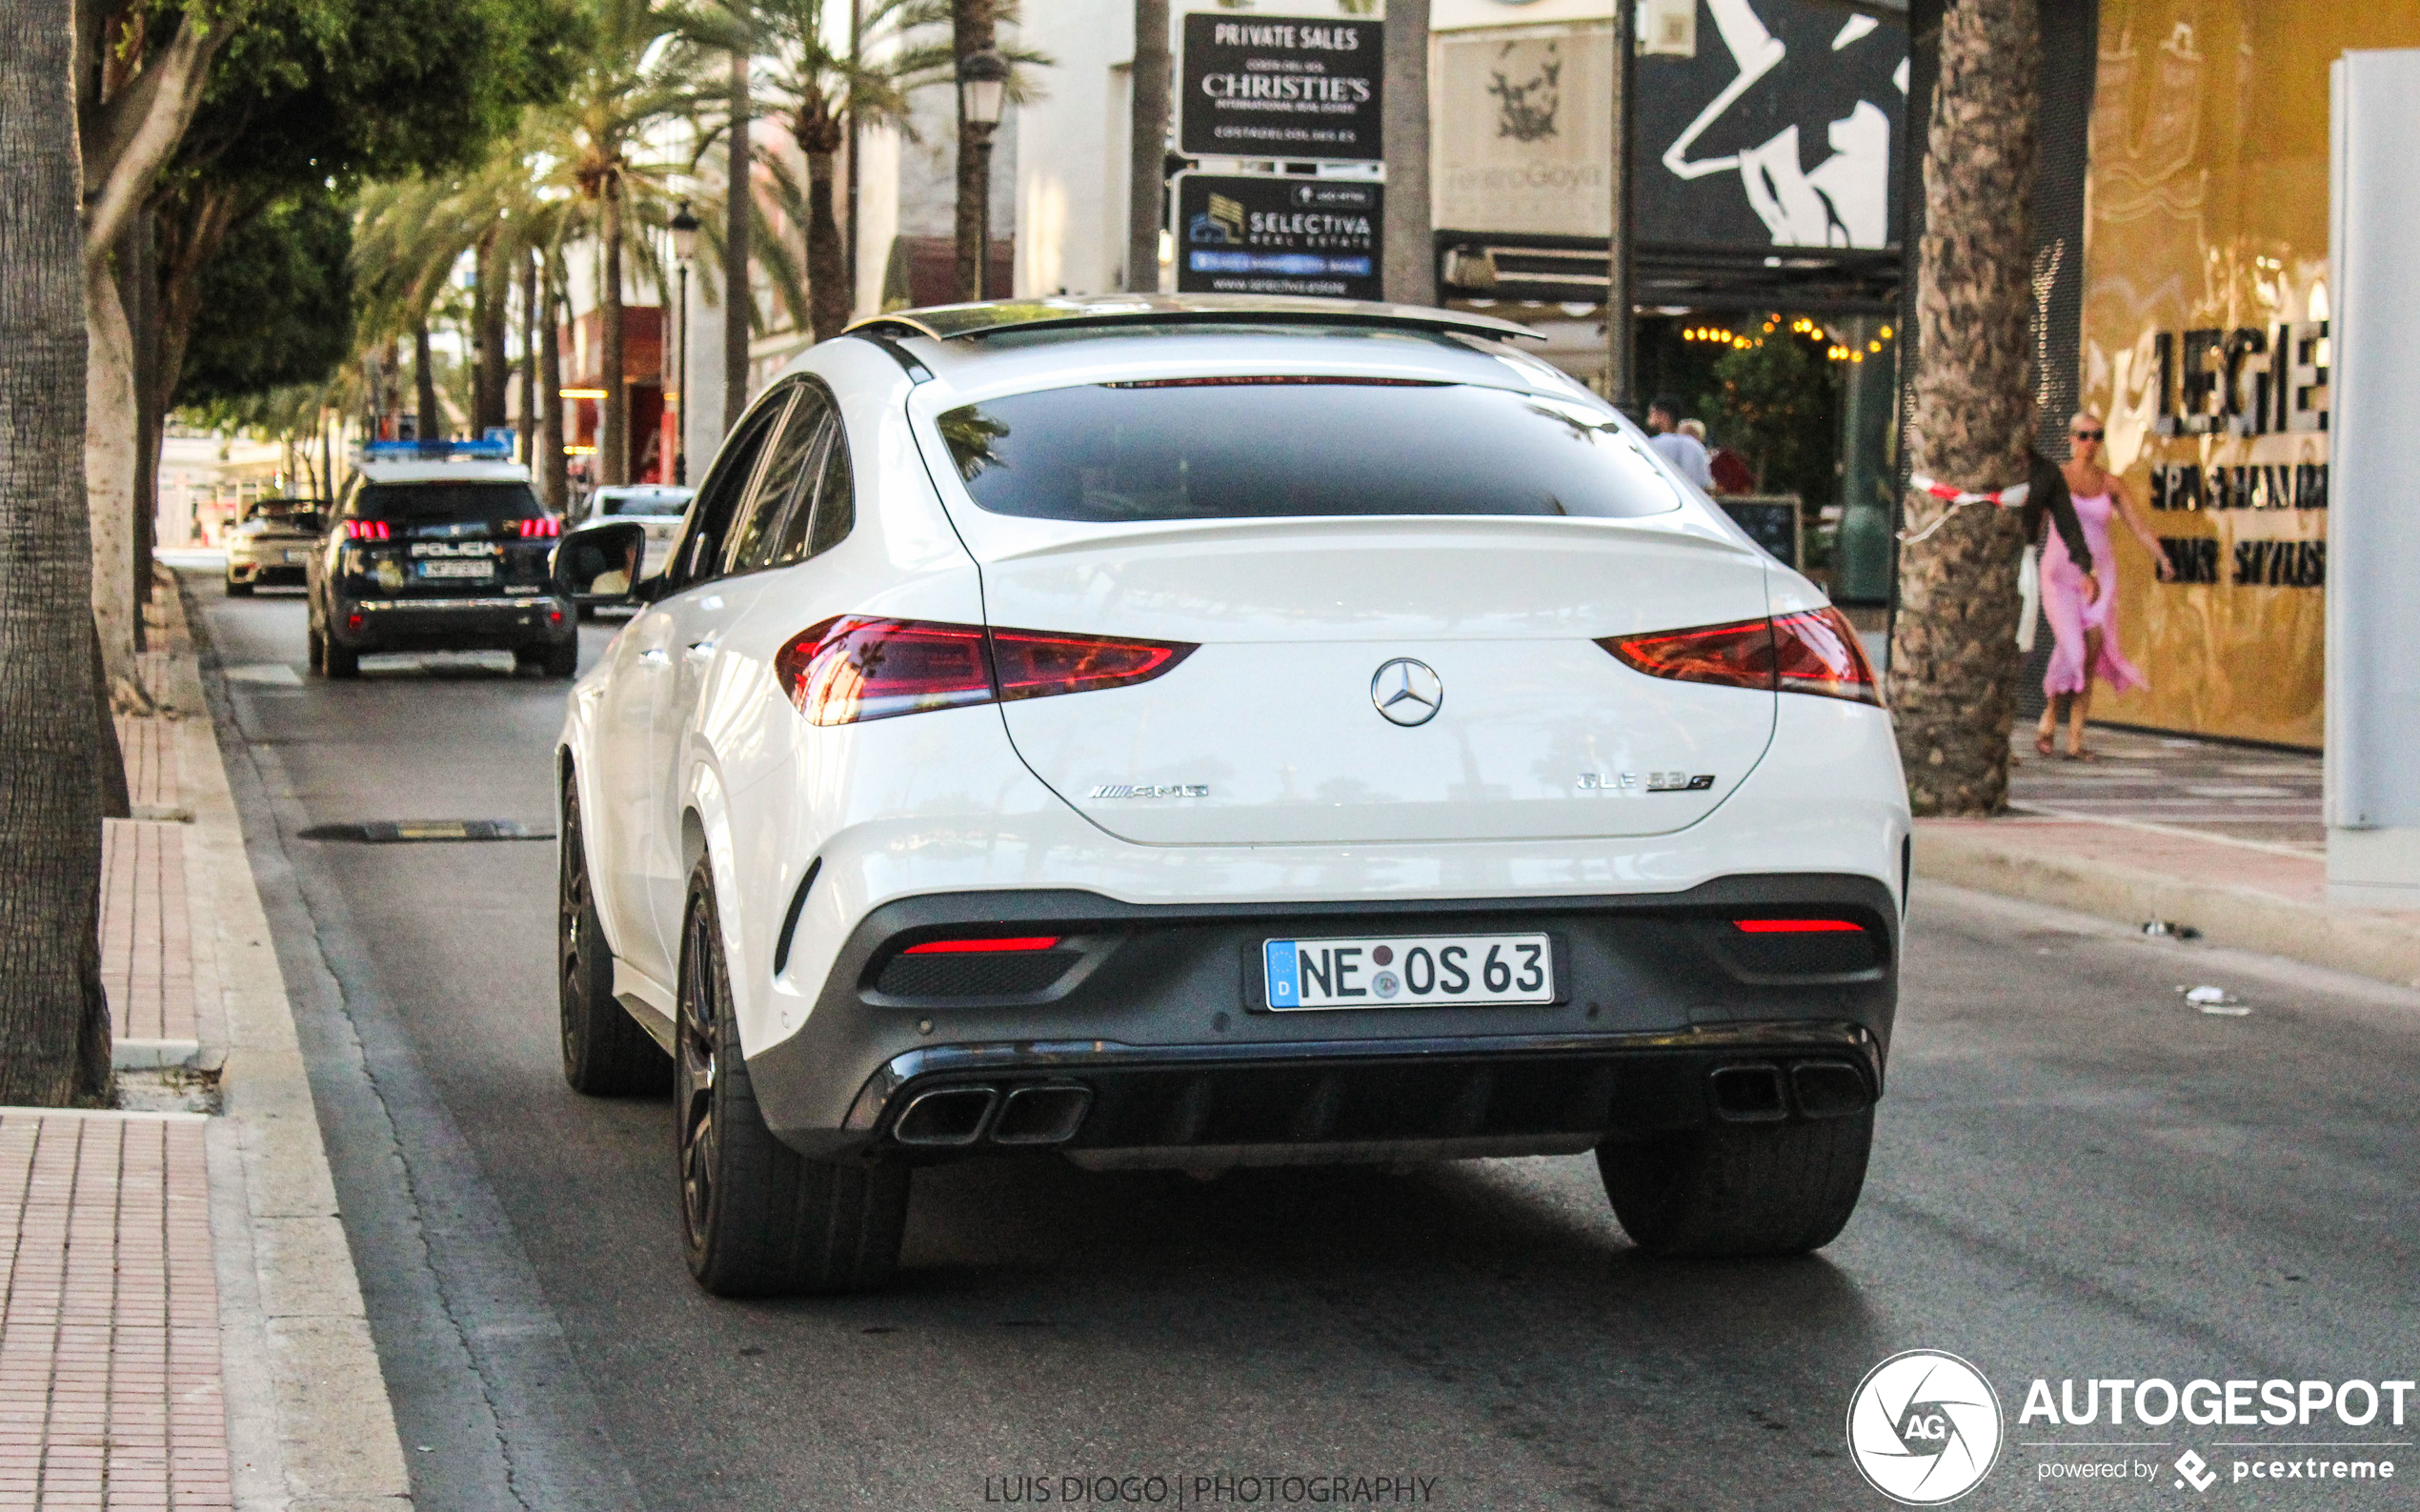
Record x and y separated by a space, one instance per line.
54 1021
1953 650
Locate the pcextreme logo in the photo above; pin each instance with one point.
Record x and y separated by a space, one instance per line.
1924 1427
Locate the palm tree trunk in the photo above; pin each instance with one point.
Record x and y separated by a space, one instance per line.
612 430
973 32
1410 273
54 1021
1147 149
112 421
739 301
487 323
531 317
1953 647
829 298
553 470
429 421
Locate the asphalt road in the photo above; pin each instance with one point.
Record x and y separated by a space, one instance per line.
2077 1174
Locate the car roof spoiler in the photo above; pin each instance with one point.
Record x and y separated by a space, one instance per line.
956 322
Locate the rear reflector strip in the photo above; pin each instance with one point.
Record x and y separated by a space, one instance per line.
1797 926
954 947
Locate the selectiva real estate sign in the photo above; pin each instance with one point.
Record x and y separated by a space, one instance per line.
1280 87
1241 234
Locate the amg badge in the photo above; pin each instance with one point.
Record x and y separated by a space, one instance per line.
1165 789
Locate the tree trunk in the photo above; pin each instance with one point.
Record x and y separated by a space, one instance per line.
428 421
828 294
739 299
494 285
1410 243
1953 648
54 1021
139 287
971 31
553 470
532 315
1147 149
112 424
613 429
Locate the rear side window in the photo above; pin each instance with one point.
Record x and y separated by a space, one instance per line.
788 466
725 488
446 503
1274 446
649 504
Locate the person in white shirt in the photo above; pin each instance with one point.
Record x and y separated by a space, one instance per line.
1685 452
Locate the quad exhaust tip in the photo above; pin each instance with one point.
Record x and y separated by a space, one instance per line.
953 1117
1765 1093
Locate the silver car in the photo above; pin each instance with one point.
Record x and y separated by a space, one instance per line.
659 506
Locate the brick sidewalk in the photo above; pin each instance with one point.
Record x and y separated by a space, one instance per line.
2227 839
109 1391
111 1368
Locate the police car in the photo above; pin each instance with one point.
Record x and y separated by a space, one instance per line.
439 546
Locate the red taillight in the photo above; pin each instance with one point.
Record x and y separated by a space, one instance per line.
1797 926
1818 652
1815 651
1735 655
541 529
1034 664
957 947
854 667
367 531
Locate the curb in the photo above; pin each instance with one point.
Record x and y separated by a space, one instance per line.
308 1425
2385 946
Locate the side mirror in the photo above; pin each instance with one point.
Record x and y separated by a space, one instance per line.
599 563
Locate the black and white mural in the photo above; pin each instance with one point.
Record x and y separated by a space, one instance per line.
1760 123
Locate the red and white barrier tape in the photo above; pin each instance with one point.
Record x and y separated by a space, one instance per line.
2006 499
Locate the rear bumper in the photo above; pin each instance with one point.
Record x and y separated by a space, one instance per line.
475 621
1154 1024
244 571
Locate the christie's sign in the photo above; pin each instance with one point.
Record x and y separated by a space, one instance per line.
1280 87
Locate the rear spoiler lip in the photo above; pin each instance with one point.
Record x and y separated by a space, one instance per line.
960 322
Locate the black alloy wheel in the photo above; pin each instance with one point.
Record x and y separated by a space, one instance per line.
759 1219
605 1052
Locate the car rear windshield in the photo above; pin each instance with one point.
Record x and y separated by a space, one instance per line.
1246 448
447 503
648 504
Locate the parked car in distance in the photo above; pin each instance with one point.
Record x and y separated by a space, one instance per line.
439 547
655 507
272 543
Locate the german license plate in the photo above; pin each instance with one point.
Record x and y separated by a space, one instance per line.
297 557
457 569
1406 971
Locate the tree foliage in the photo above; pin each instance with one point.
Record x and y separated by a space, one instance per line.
1775 400
274 307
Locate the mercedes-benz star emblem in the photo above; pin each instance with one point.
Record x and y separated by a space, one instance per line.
1407 692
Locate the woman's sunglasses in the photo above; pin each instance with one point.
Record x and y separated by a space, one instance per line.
2086 435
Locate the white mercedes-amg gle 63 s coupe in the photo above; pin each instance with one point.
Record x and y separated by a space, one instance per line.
1193 734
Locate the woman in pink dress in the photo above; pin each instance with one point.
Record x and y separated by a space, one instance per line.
2082 608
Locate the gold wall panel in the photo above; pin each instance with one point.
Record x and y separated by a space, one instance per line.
2207 208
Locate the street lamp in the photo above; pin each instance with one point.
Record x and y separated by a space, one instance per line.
982 87
684 228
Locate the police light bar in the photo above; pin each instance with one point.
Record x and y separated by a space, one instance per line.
484 451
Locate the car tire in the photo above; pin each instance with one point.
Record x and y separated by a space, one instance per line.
563 660
338 661
605 1052
759 1219
237 587
1737 1190
316 650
